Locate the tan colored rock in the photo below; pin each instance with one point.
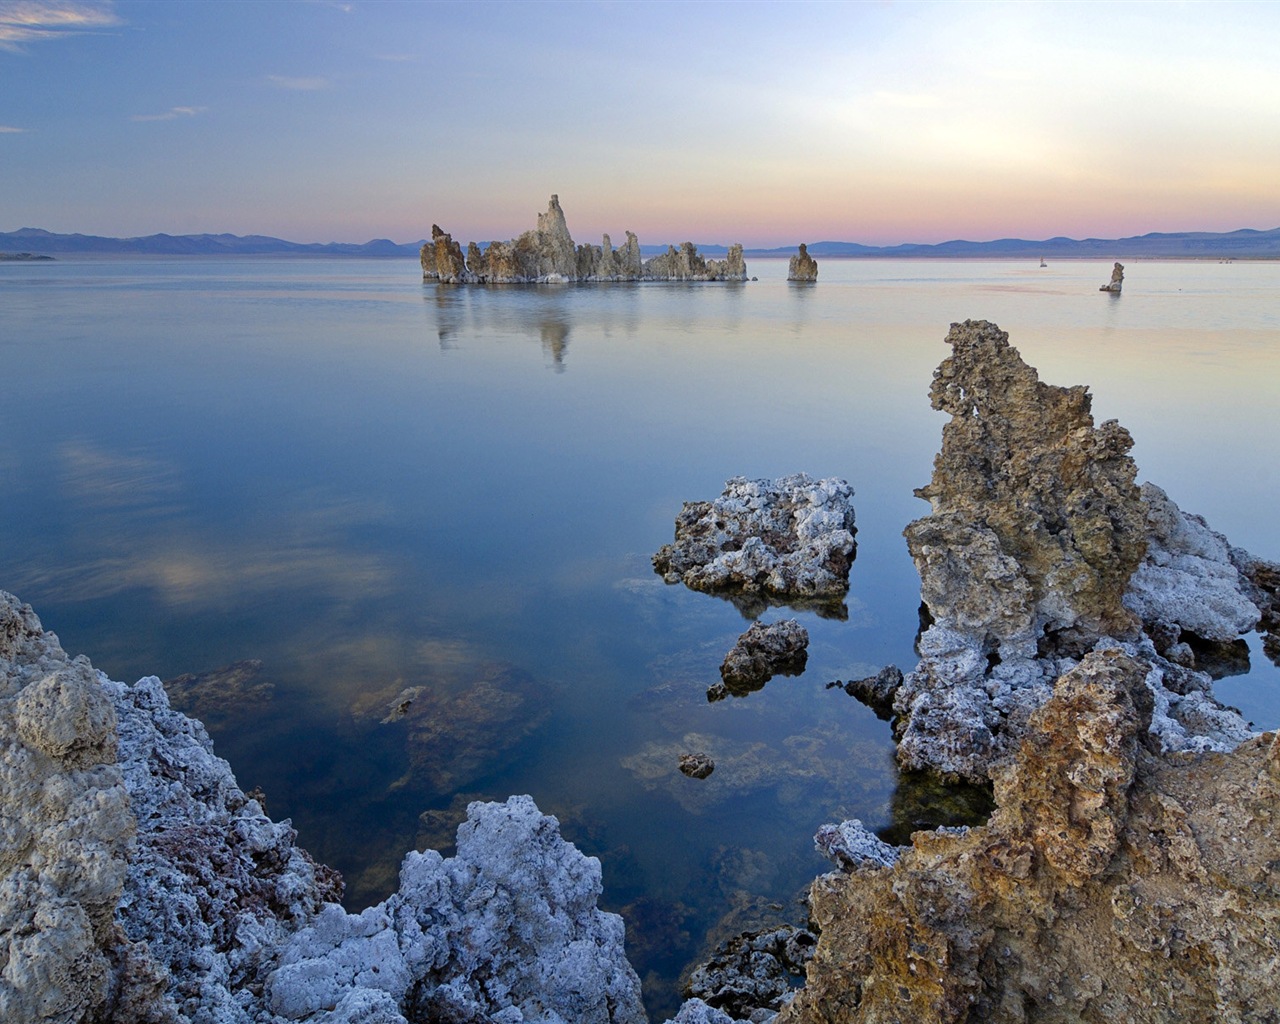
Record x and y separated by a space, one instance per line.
1110 884
1117 280
802 267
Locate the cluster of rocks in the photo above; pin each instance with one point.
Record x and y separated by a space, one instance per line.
548 254
802 266
139 883
787 541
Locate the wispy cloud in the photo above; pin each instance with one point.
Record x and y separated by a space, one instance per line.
398 58
34 21
301 84
172 114
8 129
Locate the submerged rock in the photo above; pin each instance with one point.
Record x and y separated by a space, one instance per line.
139 883
1117 280
548 254
1111 883
802 267
762 652
790 540
696 766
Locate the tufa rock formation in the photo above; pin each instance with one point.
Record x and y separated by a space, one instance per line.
1111 883
1117 280
786 541
548 254
1041 547
802 267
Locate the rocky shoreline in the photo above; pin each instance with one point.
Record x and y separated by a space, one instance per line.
1129 871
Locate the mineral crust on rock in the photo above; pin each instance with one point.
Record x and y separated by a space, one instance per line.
789 541
139 884
762 652
1117 280
802 266
548 254
1039 547
1112 882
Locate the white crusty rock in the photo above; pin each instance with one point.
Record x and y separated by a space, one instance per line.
852 845
139 884
790 540
66 832
1188 580
547 254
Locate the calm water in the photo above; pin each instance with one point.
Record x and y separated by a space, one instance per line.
442 502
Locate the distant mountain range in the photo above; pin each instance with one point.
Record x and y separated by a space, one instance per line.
1244 244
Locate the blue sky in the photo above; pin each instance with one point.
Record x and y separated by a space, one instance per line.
766 123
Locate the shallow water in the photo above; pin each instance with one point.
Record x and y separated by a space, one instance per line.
386 491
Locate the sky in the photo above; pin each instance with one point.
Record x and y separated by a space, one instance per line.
766 123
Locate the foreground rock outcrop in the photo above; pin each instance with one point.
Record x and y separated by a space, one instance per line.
786 541
1040 547
802 266
548 254
138 883
1114 881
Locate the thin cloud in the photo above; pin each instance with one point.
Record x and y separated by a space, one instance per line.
35 21
312 84
172 114
397 58
8 129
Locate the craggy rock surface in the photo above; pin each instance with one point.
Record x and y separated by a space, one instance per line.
696 766
1026 562
1112 882
802 267
548 254
1117 280
138 883
790 540
753 972
762 652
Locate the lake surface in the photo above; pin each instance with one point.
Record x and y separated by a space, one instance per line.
425 515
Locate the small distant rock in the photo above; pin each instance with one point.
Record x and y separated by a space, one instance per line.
802 267
1117 279
762 652
697 766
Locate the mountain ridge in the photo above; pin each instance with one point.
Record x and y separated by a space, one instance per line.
1241 243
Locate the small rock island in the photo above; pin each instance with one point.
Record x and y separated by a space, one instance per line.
548 255
1117 280
802 267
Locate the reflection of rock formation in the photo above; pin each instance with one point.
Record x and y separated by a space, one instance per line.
1117 280
762 652
802 267
1110 884
548 254
789 539
555 340
454 734
1037 527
